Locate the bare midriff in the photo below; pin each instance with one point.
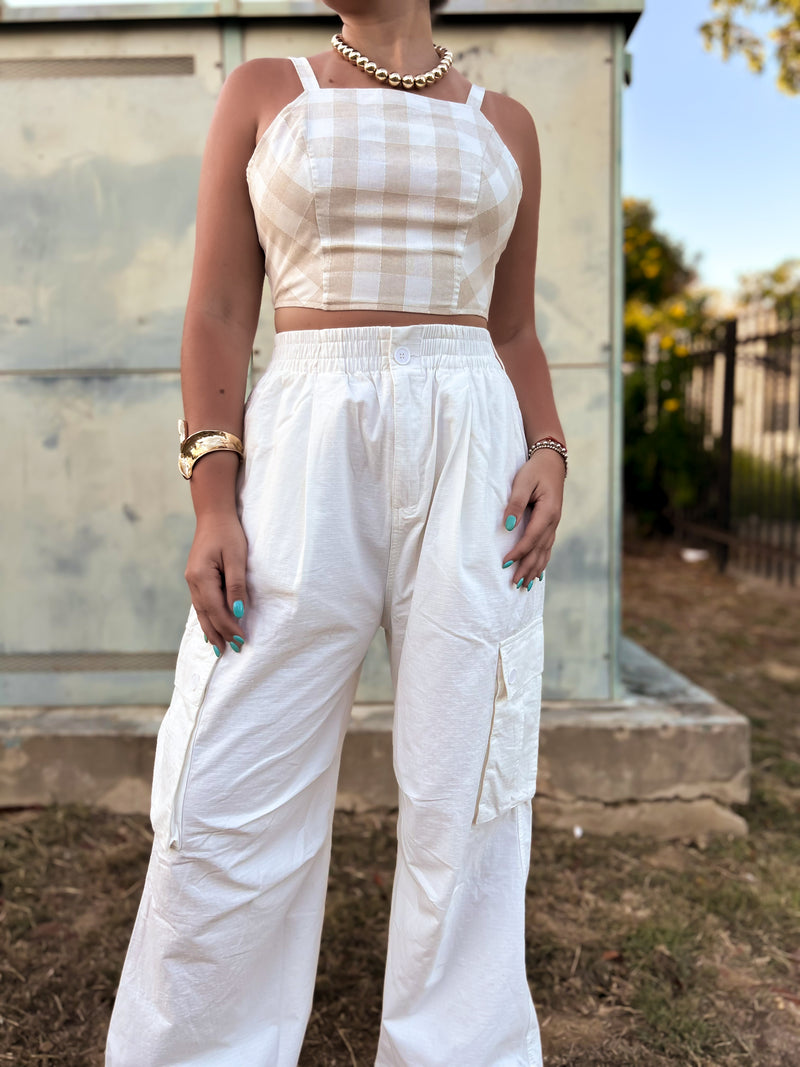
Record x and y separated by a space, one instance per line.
299 318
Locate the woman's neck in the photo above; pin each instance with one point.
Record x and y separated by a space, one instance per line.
400 41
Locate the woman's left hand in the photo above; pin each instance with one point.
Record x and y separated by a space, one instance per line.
539 483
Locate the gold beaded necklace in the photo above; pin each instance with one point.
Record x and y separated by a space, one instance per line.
397 81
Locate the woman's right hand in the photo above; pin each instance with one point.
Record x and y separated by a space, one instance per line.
215 573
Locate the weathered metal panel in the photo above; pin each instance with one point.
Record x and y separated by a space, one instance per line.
578 635
98 181
96 537
620 78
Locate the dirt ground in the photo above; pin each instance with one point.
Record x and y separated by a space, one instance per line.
640 953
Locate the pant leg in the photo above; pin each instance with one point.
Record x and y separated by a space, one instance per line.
221 964
466 654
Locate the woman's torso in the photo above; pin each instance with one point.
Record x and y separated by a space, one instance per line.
368 196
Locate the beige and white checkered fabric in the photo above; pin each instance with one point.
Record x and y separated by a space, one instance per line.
378 199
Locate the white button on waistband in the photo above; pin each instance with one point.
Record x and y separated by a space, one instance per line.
512 676
402 355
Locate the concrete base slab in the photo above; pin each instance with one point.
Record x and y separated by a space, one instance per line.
96 756
687 820
665 761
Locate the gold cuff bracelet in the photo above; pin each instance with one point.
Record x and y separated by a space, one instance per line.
201 443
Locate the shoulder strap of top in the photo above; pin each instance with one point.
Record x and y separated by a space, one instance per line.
476 96
304 72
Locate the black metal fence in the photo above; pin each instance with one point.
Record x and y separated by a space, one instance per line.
740 400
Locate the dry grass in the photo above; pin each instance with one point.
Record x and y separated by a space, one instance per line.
640 953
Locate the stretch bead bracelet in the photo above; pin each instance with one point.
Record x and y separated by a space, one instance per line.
550 442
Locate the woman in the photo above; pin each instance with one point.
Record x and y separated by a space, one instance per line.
401 467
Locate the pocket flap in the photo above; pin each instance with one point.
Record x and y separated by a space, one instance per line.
522 657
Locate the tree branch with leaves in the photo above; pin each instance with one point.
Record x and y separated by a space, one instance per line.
734 38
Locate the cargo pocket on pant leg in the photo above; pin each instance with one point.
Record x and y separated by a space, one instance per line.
512 754
176 734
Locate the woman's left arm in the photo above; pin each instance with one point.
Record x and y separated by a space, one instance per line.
539 483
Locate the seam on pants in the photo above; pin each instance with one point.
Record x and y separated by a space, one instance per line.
488 741
176 828
391 560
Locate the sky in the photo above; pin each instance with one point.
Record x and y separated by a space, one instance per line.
713 147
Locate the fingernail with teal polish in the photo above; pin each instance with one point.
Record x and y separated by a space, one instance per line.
217 652
520 582
236 637
511 522
541 576
205 638
530 585
235 647
510 563
238 609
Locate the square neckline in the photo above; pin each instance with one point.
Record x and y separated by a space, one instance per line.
309 82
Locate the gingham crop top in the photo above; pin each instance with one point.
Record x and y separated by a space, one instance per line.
373 198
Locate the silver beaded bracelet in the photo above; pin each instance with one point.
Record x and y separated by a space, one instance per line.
550 442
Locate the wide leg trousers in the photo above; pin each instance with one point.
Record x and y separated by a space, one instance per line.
379 462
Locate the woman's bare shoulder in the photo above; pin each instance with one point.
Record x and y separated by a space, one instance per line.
513 114
516 126
258 89
267 74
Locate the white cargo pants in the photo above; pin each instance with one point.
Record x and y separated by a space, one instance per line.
378 465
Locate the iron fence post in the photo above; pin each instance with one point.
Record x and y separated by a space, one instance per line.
726 442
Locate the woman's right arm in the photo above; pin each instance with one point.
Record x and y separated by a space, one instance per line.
218 332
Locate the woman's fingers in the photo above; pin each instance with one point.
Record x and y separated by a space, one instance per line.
539 533
215 574
210 632
538 484
531 554
530 567
216 619
234 558
521 490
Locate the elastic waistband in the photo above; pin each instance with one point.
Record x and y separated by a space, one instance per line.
376 347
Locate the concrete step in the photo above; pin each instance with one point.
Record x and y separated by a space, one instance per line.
666 760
